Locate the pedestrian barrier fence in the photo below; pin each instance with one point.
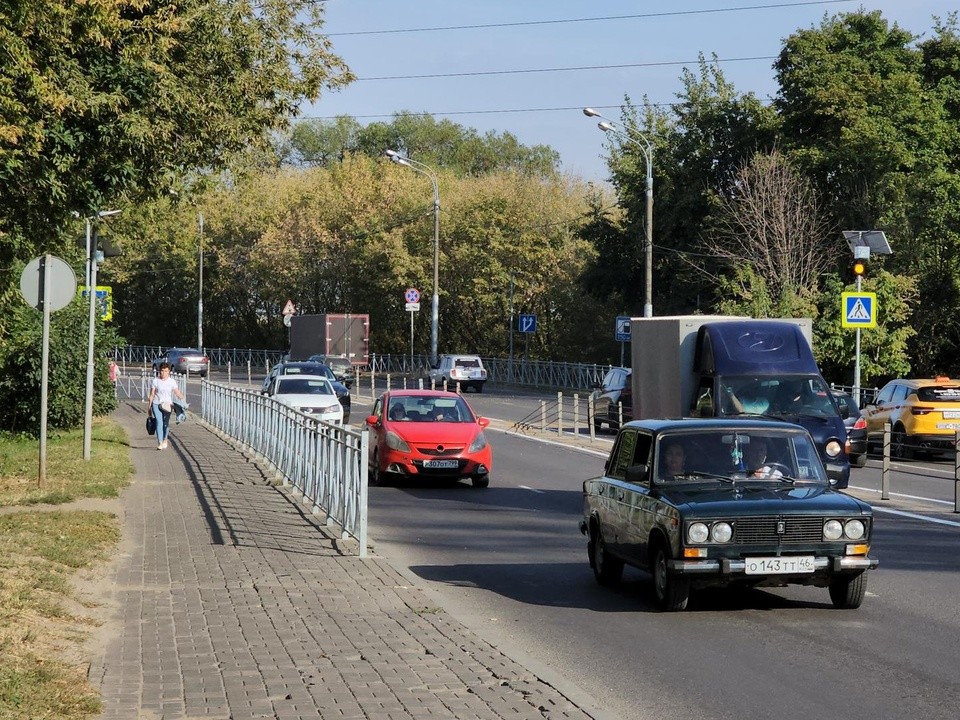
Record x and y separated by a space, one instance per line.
326 464
134 383
567 414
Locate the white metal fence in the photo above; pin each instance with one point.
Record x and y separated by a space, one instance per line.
324 463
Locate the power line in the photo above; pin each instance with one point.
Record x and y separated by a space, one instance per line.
677 13
563 69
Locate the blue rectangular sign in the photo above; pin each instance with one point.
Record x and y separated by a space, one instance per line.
527 323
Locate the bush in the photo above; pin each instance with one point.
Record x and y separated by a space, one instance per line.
21 367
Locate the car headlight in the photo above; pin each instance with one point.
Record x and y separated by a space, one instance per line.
395 442
832 530
698 533
833 449
721 532
479 443
854 529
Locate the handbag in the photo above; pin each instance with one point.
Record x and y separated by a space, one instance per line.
166 407
151 425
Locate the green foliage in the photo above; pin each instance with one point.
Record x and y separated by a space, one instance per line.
442 144
21 360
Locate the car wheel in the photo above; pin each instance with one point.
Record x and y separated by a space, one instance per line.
900 444
847 592
859 460
374 476
481 481
672 591
478 387
606 569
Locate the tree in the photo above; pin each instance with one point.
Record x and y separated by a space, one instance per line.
113 102
772 239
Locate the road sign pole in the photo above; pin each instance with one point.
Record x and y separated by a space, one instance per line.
856 362
411 341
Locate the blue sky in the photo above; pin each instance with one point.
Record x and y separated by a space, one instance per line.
544 107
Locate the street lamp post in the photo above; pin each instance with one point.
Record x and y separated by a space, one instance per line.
435 307
92 292
646 147
200 293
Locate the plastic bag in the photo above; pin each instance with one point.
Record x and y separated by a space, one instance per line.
151 425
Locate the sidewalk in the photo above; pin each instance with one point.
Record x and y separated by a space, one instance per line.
232 601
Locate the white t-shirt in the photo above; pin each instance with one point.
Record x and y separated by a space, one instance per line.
163 390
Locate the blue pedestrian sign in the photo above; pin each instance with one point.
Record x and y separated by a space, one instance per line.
622 331
528 323
858 309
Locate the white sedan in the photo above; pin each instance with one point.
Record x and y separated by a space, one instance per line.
310 394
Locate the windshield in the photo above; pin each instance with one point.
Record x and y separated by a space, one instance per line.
732 455
429 409
303 386
779 396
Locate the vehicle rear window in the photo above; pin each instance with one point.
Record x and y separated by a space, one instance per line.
467 362
939 393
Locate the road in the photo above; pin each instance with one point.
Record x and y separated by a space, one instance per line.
509 562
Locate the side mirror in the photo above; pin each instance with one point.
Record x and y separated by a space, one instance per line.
844 411
636 474
347 381
483 422
371 420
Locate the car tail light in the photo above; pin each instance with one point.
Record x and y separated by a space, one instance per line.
920 410
860 424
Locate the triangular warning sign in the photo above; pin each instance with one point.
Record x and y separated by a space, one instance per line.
858 311
289 308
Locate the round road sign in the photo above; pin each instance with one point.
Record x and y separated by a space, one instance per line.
62 279
412 295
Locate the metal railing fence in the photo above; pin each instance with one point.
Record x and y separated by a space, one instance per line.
324 463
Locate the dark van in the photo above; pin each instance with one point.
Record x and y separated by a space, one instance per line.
765 368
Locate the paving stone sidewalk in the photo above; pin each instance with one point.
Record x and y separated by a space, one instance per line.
232 601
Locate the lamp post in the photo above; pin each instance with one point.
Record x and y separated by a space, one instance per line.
435 307
646 147
92 293
200 292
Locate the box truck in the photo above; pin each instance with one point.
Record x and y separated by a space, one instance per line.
724 366
330 334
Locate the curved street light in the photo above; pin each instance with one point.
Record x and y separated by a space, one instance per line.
646 147
435 308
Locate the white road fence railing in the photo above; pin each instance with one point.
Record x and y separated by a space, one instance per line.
323 463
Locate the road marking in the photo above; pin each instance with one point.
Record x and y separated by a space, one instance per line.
903 495
914 516
527 487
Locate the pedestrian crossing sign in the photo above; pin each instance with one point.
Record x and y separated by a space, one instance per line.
858 309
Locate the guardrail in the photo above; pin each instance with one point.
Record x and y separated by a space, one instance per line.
326 464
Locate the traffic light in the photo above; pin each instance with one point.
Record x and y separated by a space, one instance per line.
859 268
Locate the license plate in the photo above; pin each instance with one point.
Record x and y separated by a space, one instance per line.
441 464
948 426
951 413
779 565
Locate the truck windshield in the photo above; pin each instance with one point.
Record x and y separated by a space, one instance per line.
780 396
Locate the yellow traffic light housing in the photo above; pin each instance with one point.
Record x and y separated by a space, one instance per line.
859 268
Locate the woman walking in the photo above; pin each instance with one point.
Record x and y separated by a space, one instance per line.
162 391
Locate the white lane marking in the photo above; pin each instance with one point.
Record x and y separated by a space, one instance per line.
904 495
527 487
914 516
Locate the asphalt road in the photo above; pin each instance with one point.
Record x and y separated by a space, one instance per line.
509 562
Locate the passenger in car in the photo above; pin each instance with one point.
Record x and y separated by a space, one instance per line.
398 413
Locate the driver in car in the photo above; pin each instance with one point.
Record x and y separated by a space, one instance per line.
755 455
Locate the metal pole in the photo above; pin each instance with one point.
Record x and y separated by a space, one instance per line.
200 293
510 373
44 370
411 341
87 275
856 361
88 405
435 307
648 288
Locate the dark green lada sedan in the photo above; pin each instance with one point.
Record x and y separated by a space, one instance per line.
724 502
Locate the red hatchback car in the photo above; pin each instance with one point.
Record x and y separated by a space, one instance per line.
427 434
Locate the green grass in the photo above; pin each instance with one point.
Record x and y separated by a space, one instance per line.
42 622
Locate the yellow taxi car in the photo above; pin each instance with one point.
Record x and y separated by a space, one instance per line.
924 415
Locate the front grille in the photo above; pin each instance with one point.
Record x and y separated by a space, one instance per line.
446 452
763 530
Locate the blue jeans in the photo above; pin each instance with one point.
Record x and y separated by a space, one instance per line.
163 423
